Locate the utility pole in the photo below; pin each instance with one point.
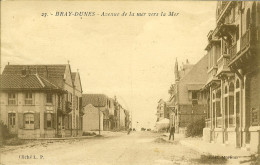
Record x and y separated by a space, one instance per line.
98 117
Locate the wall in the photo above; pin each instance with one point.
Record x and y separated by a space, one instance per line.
39 107
91 119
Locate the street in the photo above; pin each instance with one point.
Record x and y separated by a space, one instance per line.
138 148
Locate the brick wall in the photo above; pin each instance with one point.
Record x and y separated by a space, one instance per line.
186 116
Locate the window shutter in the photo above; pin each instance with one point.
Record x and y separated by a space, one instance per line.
70 121
45 120
21 120
9 119
37 120
54 120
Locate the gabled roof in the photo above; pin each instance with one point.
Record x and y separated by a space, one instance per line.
19 82
54 73
73 76
97 100
198 73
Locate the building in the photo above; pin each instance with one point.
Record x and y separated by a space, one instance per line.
92 119
233 85
77 111
162 110
106 106
186 104
38 101
121 116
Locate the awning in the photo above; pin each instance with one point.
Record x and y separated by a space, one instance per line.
194 87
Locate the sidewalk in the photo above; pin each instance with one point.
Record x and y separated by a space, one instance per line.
102 133
214 148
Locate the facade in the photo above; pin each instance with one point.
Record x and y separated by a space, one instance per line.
186 104
36 100
162 110
92 119
233 85
105 104
121 116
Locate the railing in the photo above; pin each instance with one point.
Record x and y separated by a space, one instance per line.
233 51
222 9
245 39
68 106
224 48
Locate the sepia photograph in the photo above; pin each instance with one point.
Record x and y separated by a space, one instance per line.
129 82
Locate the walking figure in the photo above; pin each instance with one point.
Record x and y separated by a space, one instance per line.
172 131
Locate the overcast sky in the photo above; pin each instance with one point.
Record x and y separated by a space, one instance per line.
130 57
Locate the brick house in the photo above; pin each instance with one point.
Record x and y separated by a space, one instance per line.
37 101
185 103
233 116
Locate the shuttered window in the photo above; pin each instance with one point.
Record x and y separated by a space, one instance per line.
50 120
29 121
11 119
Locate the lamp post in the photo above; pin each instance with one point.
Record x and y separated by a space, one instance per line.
98 117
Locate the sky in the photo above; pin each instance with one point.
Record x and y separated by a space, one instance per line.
131 57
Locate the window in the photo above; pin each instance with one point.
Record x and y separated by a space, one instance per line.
247 18
194 96
77 102
49 120
11 99
49 98
28 99
11 119
29 121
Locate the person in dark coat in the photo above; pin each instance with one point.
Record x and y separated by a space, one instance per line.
172 131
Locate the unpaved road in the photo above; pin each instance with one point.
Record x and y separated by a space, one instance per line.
138 148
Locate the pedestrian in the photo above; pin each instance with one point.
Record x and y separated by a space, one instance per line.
129 130
172 131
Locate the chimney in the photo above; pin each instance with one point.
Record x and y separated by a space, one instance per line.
187 61
24 71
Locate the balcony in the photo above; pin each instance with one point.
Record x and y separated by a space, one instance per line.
222 66
68 106
248 44
223 7
212 79
233 51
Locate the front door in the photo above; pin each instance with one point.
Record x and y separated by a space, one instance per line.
12 123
